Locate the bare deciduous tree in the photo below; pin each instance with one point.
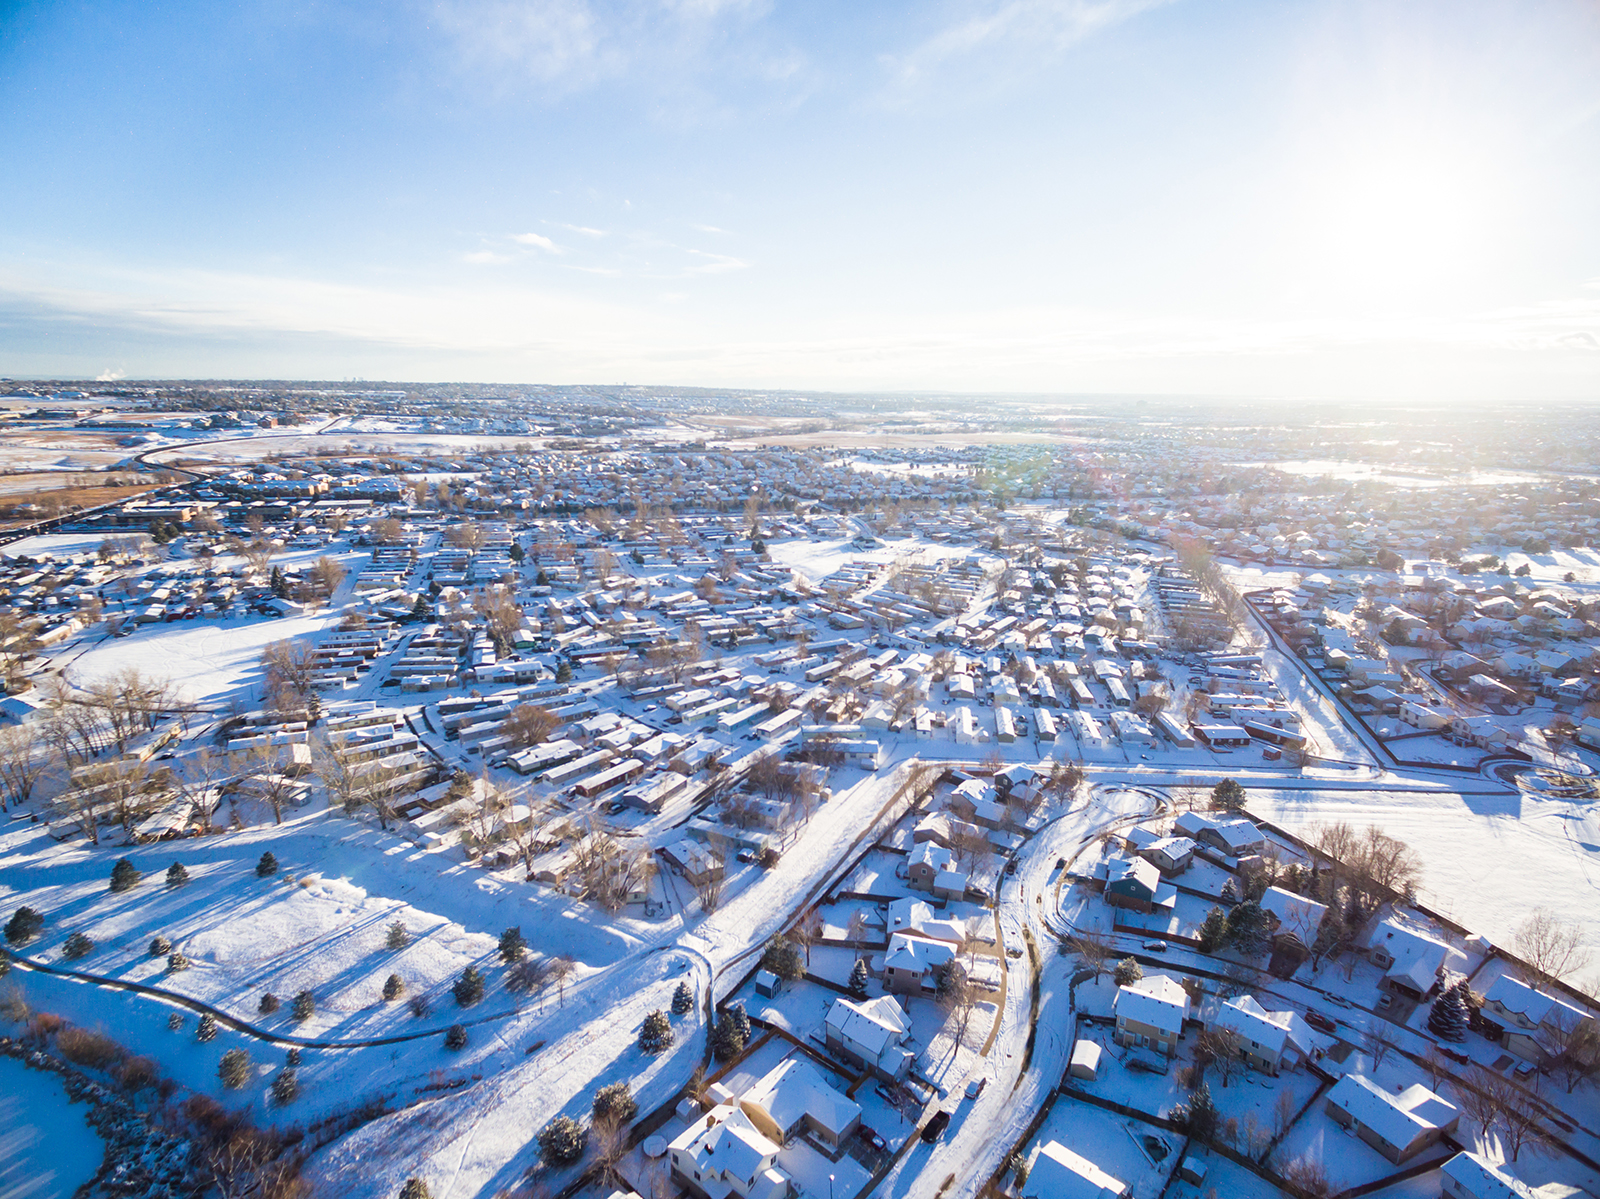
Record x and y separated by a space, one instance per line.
1553 947
22 763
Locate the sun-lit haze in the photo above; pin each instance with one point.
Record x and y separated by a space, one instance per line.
1333 199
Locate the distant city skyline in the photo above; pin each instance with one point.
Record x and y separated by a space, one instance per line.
1058 196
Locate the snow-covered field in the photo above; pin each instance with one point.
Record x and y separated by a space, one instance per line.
47 1150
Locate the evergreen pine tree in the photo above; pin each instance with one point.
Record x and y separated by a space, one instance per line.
682 999
398 937
267 866
656 1034
176 962
124 875
160 947
1228 795
561 1141
741 1021
415 1188
393 987
615 1103
726 1041
456 1038
1213 930
420 610
285 1087
24 926
1449 1016
292 1057
512 946
1199 1116
77 946
564 672
206 1030
234 1069
858 979
468 989
1127 972
304 1006
268 1004
177 875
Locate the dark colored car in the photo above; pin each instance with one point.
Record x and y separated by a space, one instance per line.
871 1138
935 1127
1318 1021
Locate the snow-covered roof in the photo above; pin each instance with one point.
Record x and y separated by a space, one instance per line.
1157 1000
871 1024
1296 914
1265 1030
1056 1172
915 916
1514 995
794 1090
1417 956
1397 1119
916 953
1482 1179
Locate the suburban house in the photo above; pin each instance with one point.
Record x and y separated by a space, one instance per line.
873 1033
914 916
1151 1013
1296 916
1234 836
1469 1176
1527 1016
796 1098
1397 1126
1136 884
1169 855
928 862
1056 1172
1265 1038
727 1153
1413 961
912 963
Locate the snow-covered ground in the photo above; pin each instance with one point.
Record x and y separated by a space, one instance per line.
47 1150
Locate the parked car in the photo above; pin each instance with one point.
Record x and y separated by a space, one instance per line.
871 1138
1156 946
1318 1021
935 1127
975 1087
746 855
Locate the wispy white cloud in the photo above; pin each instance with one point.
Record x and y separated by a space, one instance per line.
485 258
585 230
716 264
1022 29
537 240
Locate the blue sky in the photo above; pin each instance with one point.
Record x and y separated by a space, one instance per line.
1271 198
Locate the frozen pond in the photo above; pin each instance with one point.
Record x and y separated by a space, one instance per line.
47 1151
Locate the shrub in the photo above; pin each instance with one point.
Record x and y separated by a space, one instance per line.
304 1006
561 1141
456 1037
769 858
42 1025
656 1034
267 866
292 1058
682 999
176 962
398 938
615 1103
137 1073
24 925
207 1030
268 1004
94 1050
285 1087
418 1005
528 975
77 946
177 875
234 1069
393 988
124 875
160 947
415 1188
468 989
175 1021
1127 972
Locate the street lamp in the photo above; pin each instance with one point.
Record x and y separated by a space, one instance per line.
830 1186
